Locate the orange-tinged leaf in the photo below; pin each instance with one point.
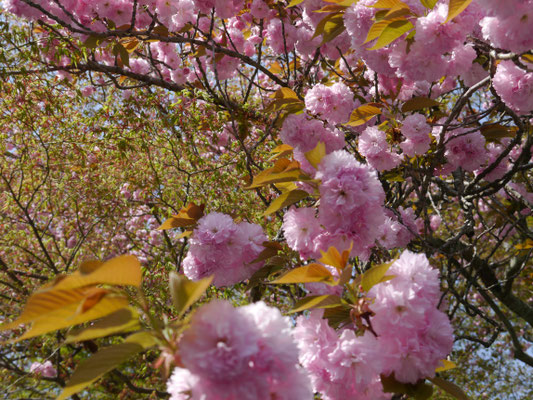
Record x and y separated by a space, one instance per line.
286 199
92 299
307 273
363 114
324 301
271 250
68 316
455 8
332 257
44 302
123 320
419 103
186 216
528 244
122 270
105 360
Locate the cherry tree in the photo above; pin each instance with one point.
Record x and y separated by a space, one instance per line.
363 164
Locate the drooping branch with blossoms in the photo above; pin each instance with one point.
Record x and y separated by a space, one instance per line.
388 147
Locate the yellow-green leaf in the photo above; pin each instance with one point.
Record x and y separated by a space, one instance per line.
455 8
105 360
307 273
185 292
392 32
325 301
283 150
429 3
333 27
69 316
363 114
419 103
528 244
450 388
44 302
286 199
316 155
446 365
385 3
374 276
294 3
377 29
123 320
122 270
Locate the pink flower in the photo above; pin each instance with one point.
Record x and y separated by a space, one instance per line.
300 228
373 145
45 369
515 86
333 103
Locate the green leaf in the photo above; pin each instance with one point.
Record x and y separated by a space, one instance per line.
375 275
455 8
392 32
123 320
428 3
92 42
331 26
363 114
325 301
120 50
294 3
419 103
450 388
185 292
286 199
337 316
307 273
105 360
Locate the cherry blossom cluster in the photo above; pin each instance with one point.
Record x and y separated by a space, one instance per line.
243 353
45 369
222 248
350 211
406 335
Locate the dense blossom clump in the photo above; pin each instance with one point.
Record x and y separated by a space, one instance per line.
515 86
373 145
238 353
222 248
351 200
333 103
465 149
407 336
416 132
